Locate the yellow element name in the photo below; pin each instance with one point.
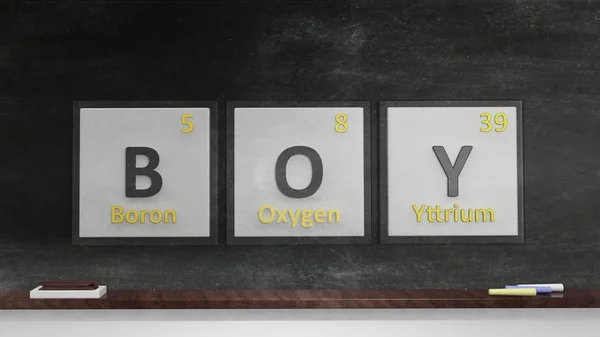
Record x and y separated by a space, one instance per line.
456 214
267 214
118 215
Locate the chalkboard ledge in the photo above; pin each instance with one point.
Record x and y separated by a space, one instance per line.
294 299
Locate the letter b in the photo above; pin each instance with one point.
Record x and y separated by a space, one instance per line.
131 172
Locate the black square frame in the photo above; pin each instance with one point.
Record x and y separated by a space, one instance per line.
147 241
321 240
383 176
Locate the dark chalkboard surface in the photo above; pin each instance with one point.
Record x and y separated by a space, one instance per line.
543 53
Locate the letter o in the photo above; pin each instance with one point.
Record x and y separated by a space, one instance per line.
281 172
153 218
128 217
261 211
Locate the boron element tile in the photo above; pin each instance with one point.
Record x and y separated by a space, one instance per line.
299 173
145 173
451 172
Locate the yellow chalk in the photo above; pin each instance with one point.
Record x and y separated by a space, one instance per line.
513 292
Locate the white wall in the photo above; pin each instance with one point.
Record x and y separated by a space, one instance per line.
305 323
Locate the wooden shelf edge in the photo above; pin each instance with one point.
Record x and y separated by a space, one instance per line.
303 299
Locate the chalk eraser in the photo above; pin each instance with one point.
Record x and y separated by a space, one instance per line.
38 293
69 285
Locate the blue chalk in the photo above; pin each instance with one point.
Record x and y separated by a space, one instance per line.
539 290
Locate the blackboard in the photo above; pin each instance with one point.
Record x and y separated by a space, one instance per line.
543 53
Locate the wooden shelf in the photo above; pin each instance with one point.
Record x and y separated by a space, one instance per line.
292 299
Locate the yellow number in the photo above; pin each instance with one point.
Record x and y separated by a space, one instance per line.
340 122
185 121
499 119
487 117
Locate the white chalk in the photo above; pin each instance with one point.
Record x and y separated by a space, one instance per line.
558 287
